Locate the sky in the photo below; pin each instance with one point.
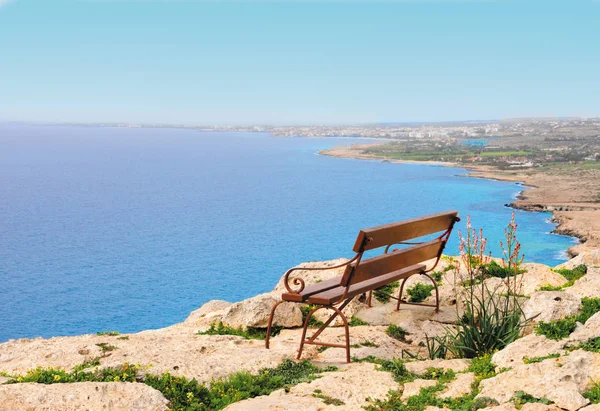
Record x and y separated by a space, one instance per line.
297 62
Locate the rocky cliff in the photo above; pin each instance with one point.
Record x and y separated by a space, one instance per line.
534 372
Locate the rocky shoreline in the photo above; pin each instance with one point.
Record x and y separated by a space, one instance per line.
562 374
566 196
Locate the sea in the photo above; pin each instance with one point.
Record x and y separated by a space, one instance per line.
127 229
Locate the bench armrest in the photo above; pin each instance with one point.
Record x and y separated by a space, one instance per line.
299 282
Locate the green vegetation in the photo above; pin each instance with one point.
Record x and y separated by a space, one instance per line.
306 309
106 347
365 343
437 276
528 360
572 275
491 320
355 322
419 292
109 333
593 394
522 398
493 269
483 367
593 345
382 293
396 332
327 399
187 394
123 337
559 329
551 288
249 333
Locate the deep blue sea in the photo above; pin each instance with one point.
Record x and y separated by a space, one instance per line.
131 229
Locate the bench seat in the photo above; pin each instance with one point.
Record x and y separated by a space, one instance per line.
333 295
312 289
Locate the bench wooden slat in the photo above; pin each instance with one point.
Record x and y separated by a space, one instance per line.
331 296
312 289
392 261
404 230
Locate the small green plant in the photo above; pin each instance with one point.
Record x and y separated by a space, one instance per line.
382 293
306 309
483 367
551 288
419 292
574 274
437 276
108 333
365 343
396 332
593 345
593 394
106 347
327 399
123 337
436 347
493 269
556 330
355 322
532 360
559 329
522 398
249 333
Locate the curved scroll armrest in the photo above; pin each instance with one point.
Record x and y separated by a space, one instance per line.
299 282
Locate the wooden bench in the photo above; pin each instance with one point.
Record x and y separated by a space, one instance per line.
366 275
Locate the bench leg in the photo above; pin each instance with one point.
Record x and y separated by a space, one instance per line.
271 323
338 311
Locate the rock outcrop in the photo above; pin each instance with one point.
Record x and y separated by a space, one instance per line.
561 374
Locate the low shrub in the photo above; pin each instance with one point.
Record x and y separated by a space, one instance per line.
327 399
574 274
419 292
493 269
559 329
109 333
532 360
522 398
313 322
382 293
249 333
483 367
396 332
355 322
593 394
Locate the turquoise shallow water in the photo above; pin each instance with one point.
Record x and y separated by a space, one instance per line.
131 229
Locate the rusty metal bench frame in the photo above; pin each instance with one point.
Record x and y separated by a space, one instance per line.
365 276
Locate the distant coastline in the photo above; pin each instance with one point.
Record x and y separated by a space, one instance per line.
579 220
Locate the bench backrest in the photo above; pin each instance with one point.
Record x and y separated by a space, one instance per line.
390 234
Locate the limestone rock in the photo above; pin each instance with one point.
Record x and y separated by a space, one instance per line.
593 407
211 312
536 276
590 258
460 386
529 346
588 285
551 305
420 367
591 329
349 311
254 312
81 396
561 381
414 387
314 276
